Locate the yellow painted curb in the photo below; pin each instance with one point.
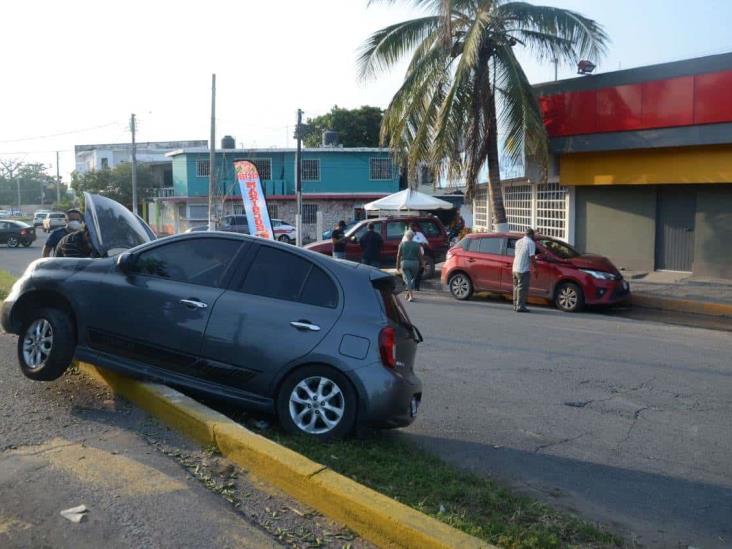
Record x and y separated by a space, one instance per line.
681 305
372 515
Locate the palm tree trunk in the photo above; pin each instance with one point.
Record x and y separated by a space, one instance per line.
495 192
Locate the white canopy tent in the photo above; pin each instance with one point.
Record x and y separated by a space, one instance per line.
408 200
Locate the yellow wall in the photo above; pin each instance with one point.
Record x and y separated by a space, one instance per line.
709 164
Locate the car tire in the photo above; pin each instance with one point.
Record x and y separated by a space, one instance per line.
460 286
569 298
284 238
46 344
300 399
429 267
13 242
26 243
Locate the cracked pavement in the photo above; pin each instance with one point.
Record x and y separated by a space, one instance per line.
625 421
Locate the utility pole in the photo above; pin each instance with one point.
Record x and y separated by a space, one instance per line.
134 166
58 181
212 159
298 179
556 67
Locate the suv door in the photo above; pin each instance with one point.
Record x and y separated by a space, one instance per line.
353 247
394 233
436 236
157 312
279 305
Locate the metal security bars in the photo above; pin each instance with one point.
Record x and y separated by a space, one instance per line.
380 169
310 169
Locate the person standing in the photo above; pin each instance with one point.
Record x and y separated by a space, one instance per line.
76 244
420 239
410 257
338 237
524 260
371 244
73 224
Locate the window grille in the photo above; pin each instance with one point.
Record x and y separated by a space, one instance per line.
311 170
551 210
202 168
310 213
480 209
264 167
380 169
517 201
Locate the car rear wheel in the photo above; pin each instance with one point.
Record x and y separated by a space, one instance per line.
46 345
13 242
317 401
26 243
461 287
569 298
429 267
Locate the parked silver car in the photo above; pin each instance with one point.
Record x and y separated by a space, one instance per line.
323 344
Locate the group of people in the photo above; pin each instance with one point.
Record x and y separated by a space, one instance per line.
71 240
410 259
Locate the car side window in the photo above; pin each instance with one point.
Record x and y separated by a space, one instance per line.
283 275
3 225
201 261
429 228
363 228
489 246
511 247
395 230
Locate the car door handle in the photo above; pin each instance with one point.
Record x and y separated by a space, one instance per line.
305 325
193 303
471 260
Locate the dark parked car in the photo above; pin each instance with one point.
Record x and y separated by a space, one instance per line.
484 262
392 230
321 343
16 233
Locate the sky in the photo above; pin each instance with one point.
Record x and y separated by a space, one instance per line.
74 71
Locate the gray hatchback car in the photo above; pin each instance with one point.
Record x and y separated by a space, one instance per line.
324 344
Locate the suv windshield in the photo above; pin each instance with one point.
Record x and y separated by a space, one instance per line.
560 249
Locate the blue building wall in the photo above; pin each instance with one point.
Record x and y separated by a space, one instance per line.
341 171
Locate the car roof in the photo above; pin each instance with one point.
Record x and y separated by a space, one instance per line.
511 234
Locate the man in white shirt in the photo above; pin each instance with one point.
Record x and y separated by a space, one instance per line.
523 260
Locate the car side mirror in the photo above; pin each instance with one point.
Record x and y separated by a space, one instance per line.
125 262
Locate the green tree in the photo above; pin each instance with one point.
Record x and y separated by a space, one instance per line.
356 127
463 82
114 183
36 186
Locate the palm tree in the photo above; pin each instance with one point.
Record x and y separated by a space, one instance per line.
464 82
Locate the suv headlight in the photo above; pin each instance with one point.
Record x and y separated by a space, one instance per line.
599 274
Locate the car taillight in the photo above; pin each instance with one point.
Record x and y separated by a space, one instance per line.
23 232
387 347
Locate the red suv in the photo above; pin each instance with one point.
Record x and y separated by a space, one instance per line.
392 230
483 262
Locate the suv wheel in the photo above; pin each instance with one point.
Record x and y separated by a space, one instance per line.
46 345
569 298
317 401
13 242
460 286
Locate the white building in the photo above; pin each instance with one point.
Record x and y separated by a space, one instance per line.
109 155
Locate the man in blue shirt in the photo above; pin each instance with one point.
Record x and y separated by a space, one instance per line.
73 224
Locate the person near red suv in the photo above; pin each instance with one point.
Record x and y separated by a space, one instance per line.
524 260
484 262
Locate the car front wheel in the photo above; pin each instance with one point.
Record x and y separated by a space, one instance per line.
460 286
13 242
569 298
284 238
46 345
317 401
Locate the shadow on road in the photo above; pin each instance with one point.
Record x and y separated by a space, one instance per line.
631 502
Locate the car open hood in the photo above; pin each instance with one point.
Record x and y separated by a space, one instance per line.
112 227
595 263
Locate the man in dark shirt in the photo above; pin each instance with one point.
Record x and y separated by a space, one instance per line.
371 244
73 223
75 245
338 236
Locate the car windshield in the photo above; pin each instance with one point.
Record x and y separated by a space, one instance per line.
21 224
560 249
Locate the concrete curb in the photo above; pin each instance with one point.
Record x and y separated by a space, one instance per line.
690 306
372 515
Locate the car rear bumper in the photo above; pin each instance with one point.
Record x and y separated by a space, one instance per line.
608 292
387 396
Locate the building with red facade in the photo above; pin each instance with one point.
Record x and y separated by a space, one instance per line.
641 168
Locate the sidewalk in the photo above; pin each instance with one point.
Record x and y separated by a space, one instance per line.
681 292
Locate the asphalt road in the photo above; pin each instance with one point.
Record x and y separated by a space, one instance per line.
625 421
15 260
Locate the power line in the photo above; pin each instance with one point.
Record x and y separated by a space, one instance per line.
58 134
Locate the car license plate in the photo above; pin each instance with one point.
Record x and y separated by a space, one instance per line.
413 407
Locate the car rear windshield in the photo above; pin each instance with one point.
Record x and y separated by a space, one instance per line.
392 306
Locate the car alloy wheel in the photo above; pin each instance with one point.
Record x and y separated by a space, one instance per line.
460 286
569 298
37 343
317 405
13 242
